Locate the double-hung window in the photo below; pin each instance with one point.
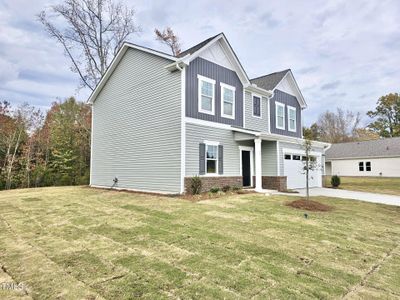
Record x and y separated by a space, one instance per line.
227 101
257 106
292 118
211 159
368 166
206 96
280 115
361 166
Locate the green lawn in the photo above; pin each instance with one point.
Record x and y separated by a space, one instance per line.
384 185
81 243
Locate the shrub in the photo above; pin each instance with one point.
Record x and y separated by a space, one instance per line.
236 188
226 188
195 185
215 189
335 181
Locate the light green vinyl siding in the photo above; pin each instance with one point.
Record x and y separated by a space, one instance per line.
268 158
254 123
196 134
137 126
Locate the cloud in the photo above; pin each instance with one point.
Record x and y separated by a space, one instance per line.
342 53
331 85
9 71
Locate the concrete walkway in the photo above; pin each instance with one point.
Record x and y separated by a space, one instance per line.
363 196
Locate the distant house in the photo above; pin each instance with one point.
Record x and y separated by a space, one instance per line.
369 158
158 120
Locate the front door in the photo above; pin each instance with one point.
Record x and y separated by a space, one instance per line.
246 170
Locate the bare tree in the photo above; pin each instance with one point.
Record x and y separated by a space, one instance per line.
169 38
94 32
337 127
309 164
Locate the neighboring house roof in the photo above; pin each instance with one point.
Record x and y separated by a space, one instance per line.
389 147
269 81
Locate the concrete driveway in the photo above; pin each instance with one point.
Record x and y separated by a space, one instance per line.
369 197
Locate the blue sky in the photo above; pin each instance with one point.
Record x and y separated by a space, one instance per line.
343 53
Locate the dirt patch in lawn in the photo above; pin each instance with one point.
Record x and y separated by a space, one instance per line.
309 205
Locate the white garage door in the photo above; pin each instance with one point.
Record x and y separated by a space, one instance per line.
296 177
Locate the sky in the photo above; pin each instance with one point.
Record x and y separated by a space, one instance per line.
342 53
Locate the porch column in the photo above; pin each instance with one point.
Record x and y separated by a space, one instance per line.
257 143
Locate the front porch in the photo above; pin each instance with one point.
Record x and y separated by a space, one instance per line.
264 161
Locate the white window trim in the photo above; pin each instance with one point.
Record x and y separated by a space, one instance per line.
289 108
211 143
252 105
279 104
233 89
251 149
209 80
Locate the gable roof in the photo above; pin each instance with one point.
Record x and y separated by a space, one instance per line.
272 81
389 147
192 53
269 81
200 45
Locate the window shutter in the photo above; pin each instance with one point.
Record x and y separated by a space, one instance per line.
220 159
202 159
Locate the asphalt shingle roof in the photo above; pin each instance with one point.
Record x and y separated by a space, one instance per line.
269 81
197 47
377 148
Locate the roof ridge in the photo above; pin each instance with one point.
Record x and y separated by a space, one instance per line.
199 45
286 70
368 141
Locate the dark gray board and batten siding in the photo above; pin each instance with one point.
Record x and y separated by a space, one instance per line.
219 74
286 99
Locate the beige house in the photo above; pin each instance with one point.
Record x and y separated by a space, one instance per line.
368 158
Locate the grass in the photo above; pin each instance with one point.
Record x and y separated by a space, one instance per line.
383 185
81 243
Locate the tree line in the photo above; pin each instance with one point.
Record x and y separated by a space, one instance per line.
44 149
342 126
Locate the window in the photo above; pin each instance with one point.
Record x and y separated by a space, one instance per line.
280 115
296 157
206 95
292 118
361 166
211 159
257 106
368 166
288 156
227 101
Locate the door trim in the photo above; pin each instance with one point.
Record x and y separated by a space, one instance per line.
251 149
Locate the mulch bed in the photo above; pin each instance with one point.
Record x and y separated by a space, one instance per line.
309 205
208 195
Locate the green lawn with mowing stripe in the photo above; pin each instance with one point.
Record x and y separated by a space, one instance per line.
81 243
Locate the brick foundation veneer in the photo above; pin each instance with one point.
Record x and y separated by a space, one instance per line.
274 183
215 181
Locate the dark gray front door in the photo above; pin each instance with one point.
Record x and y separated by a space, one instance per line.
246 172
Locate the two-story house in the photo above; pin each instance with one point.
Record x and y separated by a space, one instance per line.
159 120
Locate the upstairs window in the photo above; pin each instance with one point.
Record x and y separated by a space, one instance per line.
257 106
361 166
292 118
206 96
280 115
227 101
